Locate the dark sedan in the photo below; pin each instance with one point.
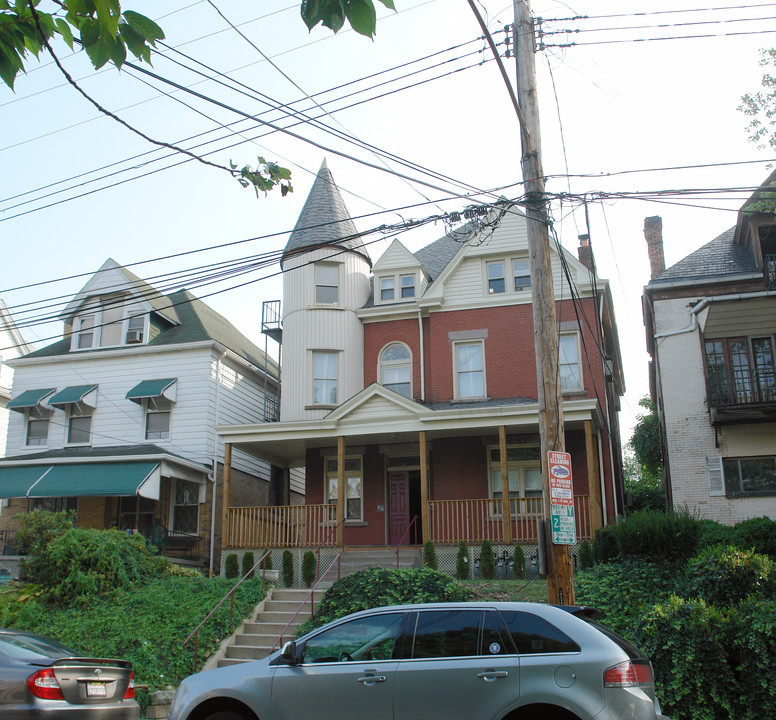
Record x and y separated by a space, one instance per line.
40 678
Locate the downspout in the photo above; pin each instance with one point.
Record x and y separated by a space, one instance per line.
422 358
602 480
690 328
214 473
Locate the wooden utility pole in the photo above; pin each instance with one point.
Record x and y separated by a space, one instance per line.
560 573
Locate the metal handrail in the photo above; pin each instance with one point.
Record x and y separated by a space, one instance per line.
406 532
195 632
322 543
310 596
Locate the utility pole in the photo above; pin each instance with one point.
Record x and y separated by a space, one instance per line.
560 573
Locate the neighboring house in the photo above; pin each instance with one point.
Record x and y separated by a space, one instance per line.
406 383
711 324
115 421
12 345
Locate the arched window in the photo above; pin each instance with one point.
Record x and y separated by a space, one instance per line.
395 368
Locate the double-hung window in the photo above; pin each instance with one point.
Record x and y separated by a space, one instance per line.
86 329
570 366
407 286
387 288
496 279
324 377
157 422
37 431
326 283
354 495
521 274
469 360
396 368
79 427
524 472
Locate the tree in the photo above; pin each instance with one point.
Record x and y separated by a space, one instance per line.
760 107
644 467
107 33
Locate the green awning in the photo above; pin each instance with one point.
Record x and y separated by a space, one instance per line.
29 399
99 479
152 389
71 395
15 482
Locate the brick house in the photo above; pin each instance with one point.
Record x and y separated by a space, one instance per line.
115 420
711 326
406 381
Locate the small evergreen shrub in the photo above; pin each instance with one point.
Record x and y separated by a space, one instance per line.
288 568
713 533
267 564
309 567
462 561
758 534
518 562
231 566
487 561
659 536
429 556
585 555
605 547
727 575
248 562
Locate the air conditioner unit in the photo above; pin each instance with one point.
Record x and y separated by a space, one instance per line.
134 336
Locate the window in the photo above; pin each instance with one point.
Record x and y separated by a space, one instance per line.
85 331
324 378
524 470
447 633
469 370
749 476
496 281
521 274
135 328
157 424
326 284
533 634
740 370
79 428
354 506
57 504
136 513
396 369
185 509
387 288
37 431
408 286
366 639
569 364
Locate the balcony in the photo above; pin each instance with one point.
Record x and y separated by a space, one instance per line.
744 399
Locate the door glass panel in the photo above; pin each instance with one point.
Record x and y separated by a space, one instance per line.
366 639
742 381
449 633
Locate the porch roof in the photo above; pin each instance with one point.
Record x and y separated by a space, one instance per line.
377 415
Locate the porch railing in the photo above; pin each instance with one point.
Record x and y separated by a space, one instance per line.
281 526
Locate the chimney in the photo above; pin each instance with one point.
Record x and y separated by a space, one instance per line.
653 232
585 253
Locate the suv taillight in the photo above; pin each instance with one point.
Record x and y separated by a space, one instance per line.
44 685
130 693
629 674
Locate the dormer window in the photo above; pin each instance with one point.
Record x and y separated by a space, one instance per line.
407 286
387 289
393 288
85 332
135 328
111 321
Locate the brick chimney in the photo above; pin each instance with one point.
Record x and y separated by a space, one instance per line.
585 253
653 232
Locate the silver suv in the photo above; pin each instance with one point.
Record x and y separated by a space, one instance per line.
489 661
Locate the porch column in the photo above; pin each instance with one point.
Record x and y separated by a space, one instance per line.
425 515
506 511
593 479
340 491
226 492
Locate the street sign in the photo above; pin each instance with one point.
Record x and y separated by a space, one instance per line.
564 529
561 484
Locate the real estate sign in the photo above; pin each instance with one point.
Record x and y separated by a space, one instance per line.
564 529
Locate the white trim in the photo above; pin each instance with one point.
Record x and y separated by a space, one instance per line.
456 344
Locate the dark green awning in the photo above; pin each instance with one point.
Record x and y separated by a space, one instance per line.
152 389
99 479
70 395
15 482
29 399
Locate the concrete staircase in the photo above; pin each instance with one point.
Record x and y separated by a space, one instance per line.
254 639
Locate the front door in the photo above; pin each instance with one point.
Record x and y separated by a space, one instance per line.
398 507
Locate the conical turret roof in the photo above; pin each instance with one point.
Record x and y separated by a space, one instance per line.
324 219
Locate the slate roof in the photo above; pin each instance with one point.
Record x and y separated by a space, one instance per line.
716 259
436 256
324 219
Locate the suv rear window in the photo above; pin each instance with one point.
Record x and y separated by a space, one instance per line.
534 635
632 651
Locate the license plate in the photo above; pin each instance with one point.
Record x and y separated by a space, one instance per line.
94 689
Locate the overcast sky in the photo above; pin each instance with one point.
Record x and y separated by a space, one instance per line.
621 112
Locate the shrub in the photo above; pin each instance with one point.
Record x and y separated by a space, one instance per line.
462 561
36 530
655 535
248 562
585 555
713 533
487 561
758 534
727 575
309 566
267 565
518 562
231 566
288 568
605 547
429 555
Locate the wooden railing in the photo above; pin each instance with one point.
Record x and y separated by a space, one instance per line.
282 526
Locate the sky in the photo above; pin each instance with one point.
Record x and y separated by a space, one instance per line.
622 112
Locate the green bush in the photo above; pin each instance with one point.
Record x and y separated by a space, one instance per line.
462 561
660 536
713 533
248 562
375 587
267 564
487 561
518 562
605 548
288 568
758 534
585 555
429 555
36 530
727 575
309 567
231 566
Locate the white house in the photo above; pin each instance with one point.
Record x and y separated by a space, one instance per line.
12 345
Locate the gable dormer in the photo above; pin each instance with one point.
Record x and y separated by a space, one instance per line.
399 277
